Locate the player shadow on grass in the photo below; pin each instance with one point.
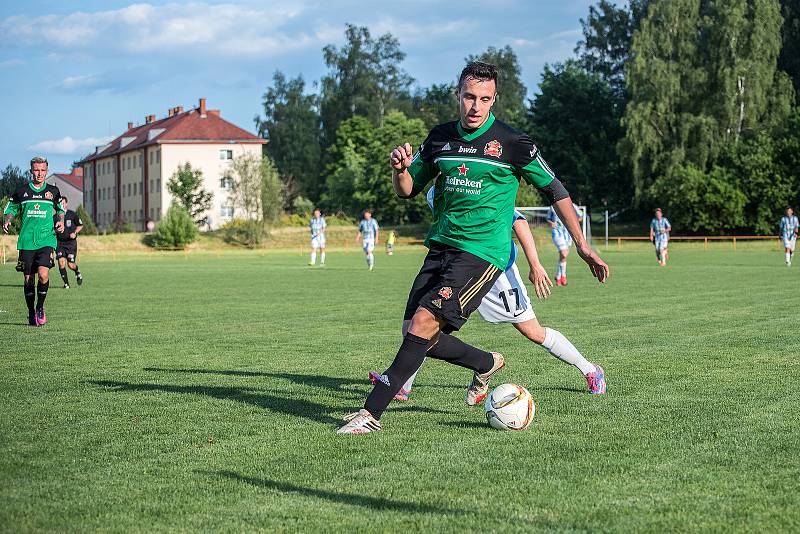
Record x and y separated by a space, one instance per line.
293 407
365 501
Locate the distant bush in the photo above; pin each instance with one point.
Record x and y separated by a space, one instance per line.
295 219
89 228
248 233
302 206
175 230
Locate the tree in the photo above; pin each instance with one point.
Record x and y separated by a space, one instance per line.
176 230
575 120
701 76
436 104
291 123
11 179
185 186
511 92
257 195
89 228
364 79
789 60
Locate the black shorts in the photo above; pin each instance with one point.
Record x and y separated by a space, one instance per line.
68 250
30 260
451 285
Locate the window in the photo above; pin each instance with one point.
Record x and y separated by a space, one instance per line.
151 185
158 156
135 189
141 160
158 184
226 183
226 212
226 154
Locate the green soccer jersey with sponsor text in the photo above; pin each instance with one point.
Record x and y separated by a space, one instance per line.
36 207
477 174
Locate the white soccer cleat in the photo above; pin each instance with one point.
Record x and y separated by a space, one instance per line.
360 422
479 387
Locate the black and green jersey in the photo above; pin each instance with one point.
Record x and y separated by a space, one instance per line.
477 174
37 207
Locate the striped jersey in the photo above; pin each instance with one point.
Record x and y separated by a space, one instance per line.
560 231
317 226
368 229
37 207
660 227
789 226
517 216
477 174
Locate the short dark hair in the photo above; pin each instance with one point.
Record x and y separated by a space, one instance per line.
658 209
64 199
478 70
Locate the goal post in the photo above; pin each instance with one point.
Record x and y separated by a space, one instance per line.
537 216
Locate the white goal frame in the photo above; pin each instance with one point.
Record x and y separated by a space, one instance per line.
539 214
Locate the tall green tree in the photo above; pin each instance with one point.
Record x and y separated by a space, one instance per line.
291 123
186 187
511 92
11 179
364 79
789 60
575 119
436 104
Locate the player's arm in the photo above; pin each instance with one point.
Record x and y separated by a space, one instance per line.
411 173
59 212
534 170
538 274
10 211
652 234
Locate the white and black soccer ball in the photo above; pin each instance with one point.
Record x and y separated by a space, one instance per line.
509 407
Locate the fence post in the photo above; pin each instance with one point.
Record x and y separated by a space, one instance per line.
734 244
619 243
705 243
606 228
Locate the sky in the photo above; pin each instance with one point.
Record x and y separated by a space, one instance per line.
74 73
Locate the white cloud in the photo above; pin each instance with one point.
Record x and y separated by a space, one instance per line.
68 145
194 28
13 62
78 82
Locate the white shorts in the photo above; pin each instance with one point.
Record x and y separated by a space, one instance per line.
368 246
562 242
507 301
661 243
318 241
789 243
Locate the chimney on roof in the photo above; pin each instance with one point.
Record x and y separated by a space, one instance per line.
170 112
150 118
77 171
202 108
178 109
130 125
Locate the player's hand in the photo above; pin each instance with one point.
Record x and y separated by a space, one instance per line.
598 267
6 226
72 235
401 157
59 226
541 282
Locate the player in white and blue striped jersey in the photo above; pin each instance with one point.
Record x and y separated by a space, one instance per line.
659 236
562 240
318 226
368 236
789 231
508 302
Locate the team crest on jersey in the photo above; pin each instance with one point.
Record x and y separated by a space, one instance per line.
493 148
48 195
446 292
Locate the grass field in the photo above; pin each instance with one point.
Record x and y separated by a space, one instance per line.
188 392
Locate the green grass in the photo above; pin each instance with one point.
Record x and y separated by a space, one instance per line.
189 392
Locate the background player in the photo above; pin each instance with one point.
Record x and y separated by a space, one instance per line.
562 240
368 236
659 236
390 243
67 249
318 226
37 203
789 230
508 302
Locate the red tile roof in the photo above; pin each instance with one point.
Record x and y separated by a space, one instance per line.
75 179
184 127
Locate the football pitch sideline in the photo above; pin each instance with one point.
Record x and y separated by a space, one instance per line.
201 392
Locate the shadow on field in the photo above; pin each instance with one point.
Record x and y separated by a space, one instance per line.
294 407
466 424
372 503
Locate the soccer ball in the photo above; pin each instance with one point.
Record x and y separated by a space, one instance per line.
509 407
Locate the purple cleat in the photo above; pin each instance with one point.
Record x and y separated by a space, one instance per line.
596 381
41 319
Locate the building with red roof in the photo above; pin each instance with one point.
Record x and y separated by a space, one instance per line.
125 180
70 185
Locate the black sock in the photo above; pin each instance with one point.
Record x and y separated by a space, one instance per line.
453 350
42 294
77 271
407 361
63 271
30 295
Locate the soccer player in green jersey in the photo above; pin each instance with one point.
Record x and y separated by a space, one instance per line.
477 163
38 204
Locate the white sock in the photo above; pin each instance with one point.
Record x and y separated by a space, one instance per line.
558 270
560 347
322 258
563 268
788 257
370 259
314 257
